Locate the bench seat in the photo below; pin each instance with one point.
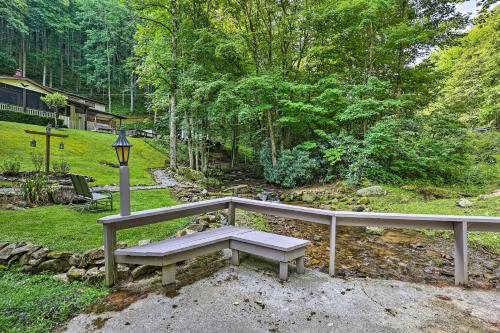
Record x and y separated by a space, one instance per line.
168 252
183 243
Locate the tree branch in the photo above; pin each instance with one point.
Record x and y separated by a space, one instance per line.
157 22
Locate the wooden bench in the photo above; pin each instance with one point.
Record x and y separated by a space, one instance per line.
168 252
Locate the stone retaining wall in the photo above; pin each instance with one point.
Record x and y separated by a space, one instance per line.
89 265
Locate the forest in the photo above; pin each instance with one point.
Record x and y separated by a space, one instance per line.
310 90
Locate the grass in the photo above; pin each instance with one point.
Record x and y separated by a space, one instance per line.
37 303
88 153
403 201
61 228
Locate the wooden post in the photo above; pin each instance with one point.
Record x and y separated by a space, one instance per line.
168 275
86 115
460 257
109 253
47 150
333 234
235 257
283 270
231 213
299 263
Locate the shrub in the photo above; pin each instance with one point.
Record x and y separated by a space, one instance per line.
37 161
61 167
19 117
10 167
294 167
35 189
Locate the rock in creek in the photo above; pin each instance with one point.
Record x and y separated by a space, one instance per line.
371 191
464 203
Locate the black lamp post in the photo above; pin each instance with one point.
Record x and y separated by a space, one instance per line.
122 148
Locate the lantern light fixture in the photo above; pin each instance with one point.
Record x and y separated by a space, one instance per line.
33 143
61 145
122 147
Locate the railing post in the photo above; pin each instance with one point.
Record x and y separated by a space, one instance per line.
231 213
333 234
109 253
460 256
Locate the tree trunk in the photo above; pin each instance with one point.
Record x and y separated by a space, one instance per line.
23 59
234 141
132 93
109 76
173 89
187 126
401 55
61 64
271 137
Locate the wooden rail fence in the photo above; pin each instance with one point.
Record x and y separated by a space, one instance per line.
460 225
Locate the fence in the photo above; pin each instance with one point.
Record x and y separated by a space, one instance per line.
460 225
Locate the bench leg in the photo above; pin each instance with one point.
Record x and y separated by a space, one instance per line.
299 262
235 257
283 270
168 275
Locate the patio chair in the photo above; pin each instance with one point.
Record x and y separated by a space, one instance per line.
85 199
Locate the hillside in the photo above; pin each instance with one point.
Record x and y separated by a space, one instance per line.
88 153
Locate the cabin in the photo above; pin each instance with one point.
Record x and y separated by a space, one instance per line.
21 94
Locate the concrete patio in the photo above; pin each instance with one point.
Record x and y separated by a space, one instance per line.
250 298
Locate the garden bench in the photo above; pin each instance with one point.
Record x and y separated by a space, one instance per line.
168 252
92 201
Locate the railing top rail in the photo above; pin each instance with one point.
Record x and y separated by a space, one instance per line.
149 216
419 221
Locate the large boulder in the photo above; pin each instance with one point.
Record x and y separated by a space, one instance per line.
464 203
62 194
55 265
371 191
93 275
308 197
91 257
58 255
6 252
25 248
239 189
75 259
143 270
76 274
38 256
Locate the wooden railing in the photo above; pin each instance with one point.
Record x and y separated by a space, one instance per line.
460 225
30 111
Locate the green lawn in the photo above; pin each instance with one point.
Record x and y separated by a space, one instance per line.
403 201
61 228
88 153
36 303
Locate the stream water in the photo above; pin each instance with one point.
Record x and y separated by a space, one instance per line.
401 254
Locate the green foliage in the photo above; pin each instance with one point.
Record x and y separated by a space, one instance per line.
294 167
37 303
469 73
18 117
37 160
54 101
35 189
61 167
10 167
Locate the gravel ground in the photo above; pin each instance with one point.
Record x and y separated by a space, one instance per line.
250 298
